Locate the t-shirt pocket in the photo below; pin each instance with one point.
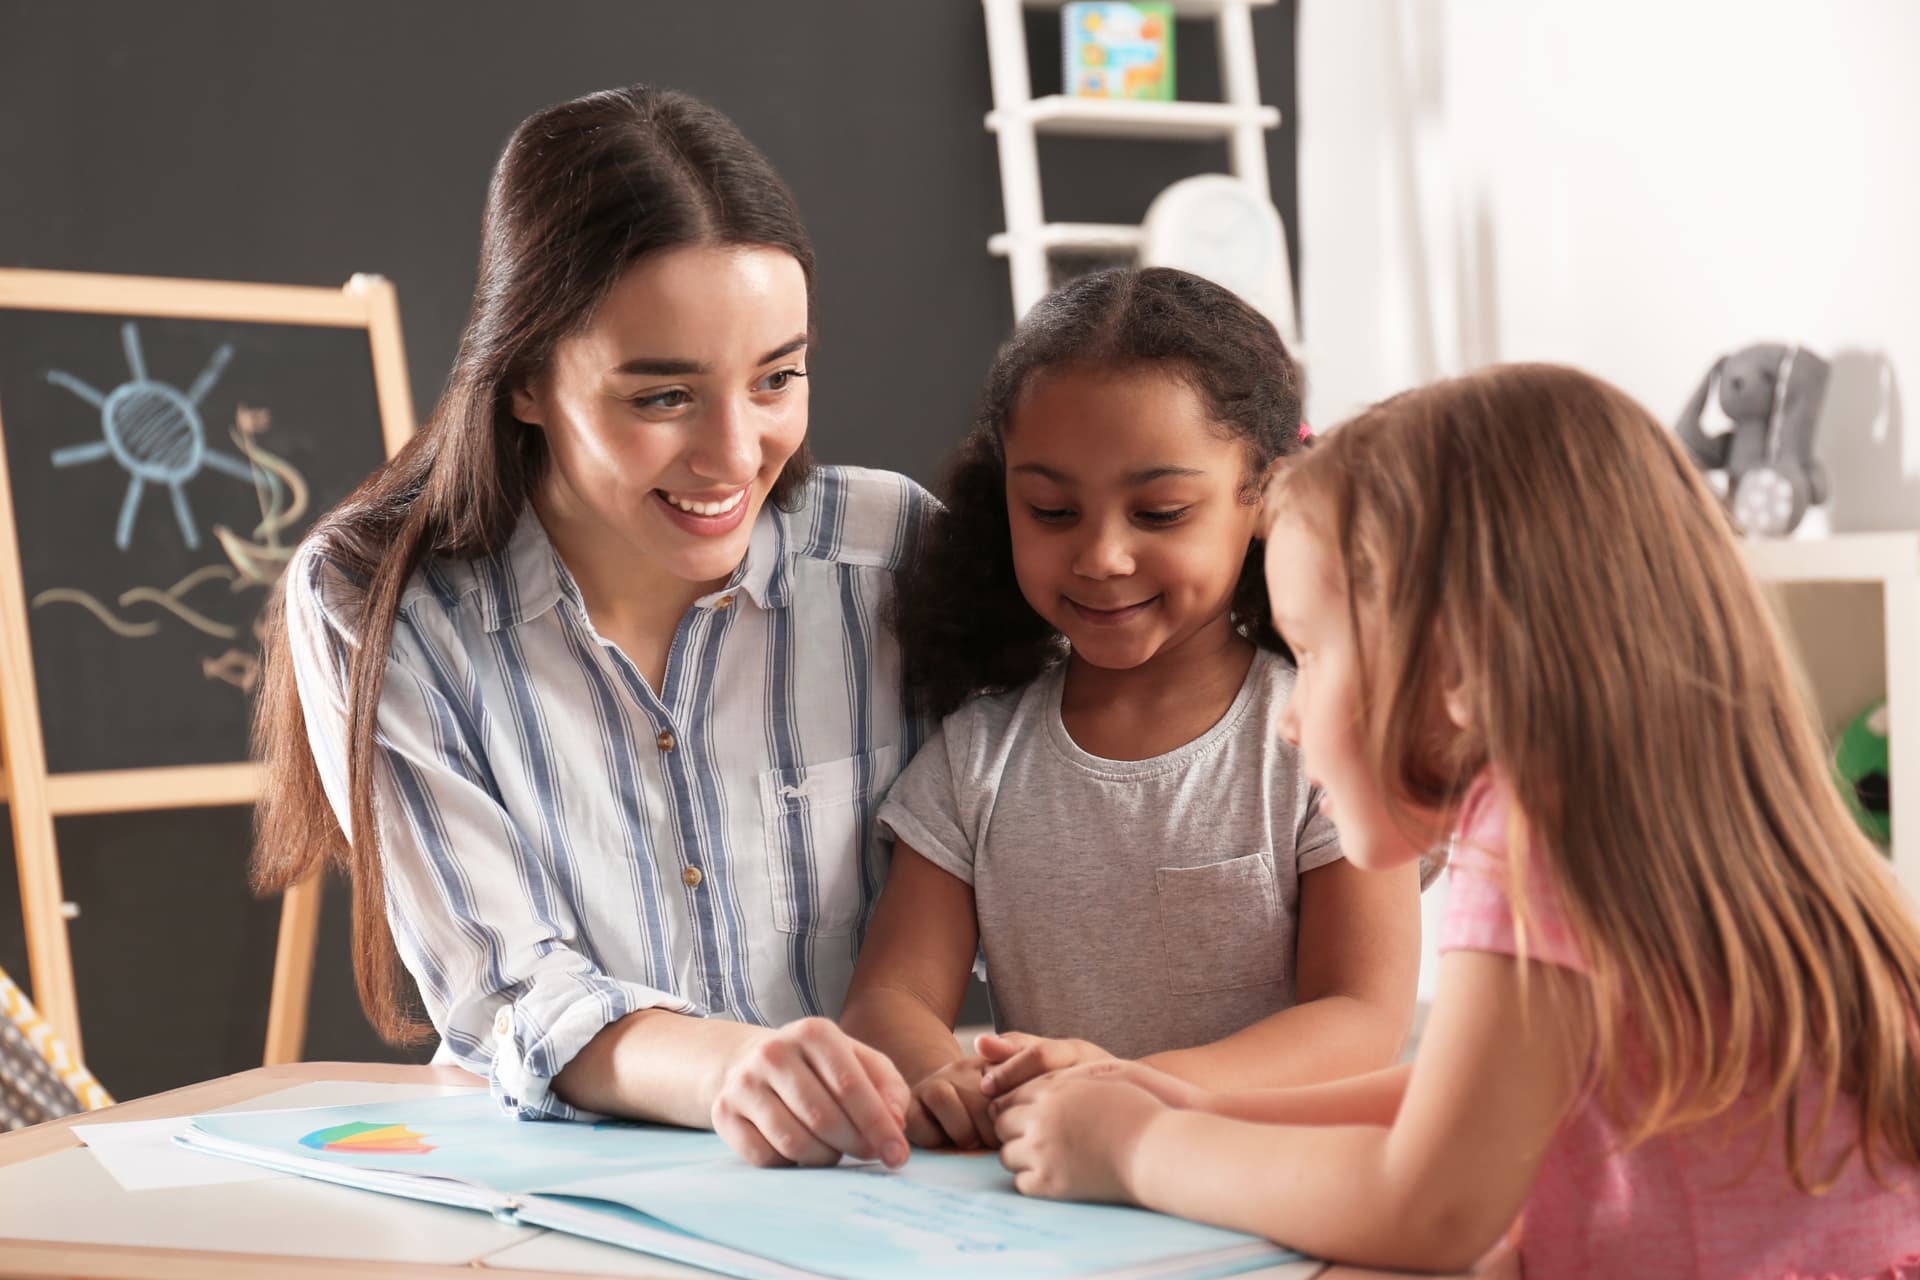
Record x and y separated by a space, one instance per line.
1222 925
819 822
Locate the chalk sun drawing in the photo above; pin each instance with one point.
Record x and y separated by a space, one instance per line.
153 430
253 563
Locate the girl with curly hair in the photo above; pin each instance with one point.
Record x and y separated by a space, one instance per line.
1105 813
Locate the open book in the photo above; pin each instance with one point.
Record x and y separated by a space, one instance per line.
680 1194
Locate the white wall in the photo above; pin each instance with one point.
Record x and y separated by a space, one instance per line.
1634 187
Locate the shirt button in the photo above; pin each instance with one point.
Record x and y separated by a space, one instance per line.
724 602
691 877
664 741
503 1023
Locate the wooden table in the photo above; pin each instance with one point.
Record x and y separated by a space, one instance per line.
484 1243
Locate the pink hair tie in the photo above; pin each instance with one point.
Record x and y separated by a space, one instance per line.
1306 432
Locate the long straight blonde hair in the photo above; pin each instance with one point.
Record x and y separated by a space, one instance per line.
1627 677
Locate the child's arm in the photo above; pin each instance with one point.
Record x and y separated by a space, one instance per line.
1373 1098
1357 959
1497 1070
906 991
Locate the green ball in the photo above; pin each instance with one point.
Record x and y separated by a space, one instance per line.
1860 758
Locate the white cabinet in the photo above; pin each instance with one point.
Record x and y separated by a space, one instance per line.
1851 605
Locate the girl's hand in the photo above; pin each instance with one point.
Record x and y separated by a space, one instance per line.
948 1108
1017 1057
1169 1089
808 1093
1070 1139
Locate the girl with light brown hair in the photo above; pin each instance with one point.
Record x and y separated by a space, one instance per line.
1675 1030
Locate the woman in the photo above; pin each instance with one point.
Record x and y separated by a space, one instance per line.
587 687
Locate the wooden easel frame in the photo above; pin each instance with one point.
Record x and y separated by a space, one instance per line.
35 797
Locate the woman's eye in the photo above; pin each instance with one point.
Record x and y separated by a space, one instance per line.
781 379
1049 515
674 399
1170 516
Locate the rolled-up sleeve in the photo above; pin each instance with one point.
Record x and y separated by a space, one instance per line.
923 809
473 906
1316 841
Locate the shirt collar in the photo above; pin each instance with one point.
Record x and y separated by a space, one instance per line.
765 573
527 577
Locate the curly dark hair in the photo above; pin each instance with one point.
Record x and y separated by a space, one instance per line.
964 627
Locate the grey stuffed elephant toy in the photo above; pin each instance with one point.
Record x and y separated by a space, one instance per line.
1773 394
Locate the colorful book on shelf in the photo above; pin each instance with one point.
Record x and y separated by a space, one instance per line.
680 1194
1118 49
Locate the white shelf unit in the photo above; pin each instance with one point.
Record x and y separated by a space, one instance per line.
1114 118
1077 237
1181 8
1018 118
1851 603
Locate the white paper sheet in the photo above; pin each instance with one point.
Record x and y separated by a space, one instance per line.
141 1155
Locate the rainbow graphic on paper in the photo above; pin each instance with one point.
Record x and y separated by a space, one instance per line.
363 1139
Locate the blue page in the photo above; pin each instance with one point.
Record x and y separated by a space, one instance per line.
943 1215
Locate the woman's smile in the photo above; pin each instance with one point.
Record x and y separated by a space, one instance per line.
704 515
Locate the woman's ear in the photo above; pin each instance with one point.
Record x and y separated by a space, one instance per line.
527 407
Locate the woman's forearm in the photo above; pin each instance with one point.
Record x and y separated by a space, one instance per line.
1325 1039
801 1093
902 1026
656 1065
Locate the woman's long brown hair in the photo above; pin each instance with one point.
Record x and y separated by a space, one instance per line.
1626 674
582 192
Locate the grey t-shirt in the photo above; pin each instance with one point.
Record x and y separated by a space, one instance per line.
1143 905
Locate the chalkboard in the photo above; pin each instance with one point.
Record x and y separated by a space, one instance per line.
164 445
162 471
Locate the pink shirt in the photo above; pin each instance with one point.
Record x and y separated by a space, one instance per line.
1676 1205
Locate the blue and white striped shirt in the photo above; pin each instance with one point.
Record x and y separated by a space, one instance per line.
563 845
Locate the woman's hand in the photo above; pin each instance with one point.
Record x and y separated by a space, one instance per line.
1068 1139
948 1108
1017 1058
808 1093
1169 1089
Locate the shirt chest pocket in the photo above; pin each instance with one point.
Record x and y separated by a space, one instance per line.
1224 925
819 830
